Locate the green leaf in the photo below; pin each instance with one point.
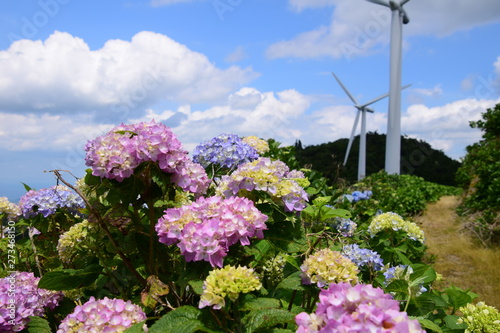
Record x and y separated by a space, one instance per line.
429 325
261 303
452 323
422 274
26 187
291 282
265 318
457 297
68 279
197 286
184 319
136 328
331 213
38 325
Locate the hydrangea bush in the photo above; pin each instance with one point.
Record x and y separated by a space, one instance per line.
235 238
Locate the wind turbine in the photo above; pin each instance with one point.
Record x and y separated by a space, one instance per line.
393 139
362 109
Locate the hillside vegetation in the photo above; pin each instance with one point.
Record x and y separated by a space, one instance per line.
417 158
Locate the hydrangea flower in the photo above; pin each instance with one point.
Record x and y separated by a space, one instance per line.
116 154
327 266
261 146
104 315
225 150
74 240
273 269
205 229
265 175
363 257
46 201
346 227
402 272
390 220
11 210
480 318
229 281
357 196
20 298
356 309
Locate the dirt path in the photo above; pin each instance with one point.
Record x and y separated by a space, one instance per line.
458 259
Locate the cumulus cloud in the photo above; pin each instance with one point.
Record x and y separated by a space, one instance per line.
246 112
446 127
63 74
357 28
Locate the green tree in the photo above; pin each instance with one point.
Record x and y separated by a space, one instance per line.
479 174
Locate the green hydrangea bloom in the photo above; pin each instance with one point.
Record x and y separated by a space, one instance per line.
480 318
229 281
395 222
75 240
327 266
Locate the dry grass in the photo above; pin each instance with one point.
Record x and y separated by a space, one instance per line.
461 262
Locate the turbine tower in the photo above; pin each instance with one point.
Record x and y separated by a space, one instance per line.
362 109
393 143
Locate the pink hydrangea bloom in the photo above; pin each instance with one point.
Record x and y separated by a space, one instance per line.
205 229
353 309
20 298
116 154
104 315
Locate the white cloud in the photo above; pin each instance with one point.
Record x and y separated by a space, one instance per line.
446 127
62 73
300 5
246 112
358 27
237 55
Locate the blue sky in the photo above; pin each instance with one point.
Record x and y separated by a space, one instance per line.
71 70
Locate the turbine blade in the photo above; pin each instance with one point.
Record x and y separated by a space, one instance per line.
345 89
406 19
403 2
363 106
380 2
369 109
352 137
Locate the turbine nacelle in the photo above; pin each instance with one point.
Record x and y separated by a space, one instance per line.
394 5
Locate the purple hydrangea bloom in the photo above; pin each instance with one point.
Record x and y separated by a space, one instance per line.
47 201
20 298
363 257
103 315
356 309
207 228
225 150
116 154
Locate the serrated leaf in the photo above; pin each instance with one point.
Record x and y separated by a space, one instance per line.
457 297
265 318
291 282
197 286
260 303
331 213
68 279
184 319
38 325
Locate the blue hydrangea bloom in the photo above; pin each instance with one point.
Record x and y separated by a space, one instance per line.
46 201
358 195
363 257
225 150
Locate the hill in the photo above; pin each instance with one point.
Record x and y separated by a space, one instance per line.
417 158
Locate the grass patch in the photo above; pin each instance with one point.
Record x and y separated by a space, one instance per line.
461 261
